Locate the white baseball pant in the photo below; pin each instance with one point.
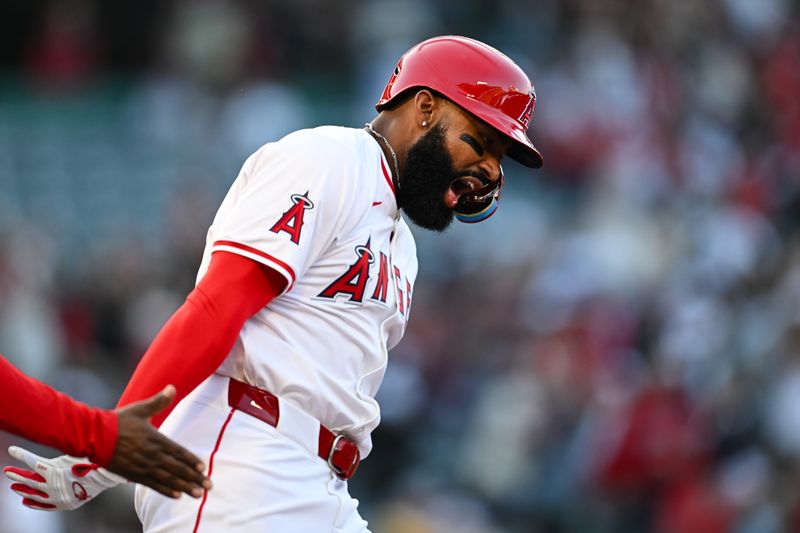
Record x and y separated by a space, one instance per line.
265 478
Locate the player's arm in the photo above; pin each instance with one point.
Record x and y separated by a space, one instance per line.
124 441
256 263
35 411
188 349
198 337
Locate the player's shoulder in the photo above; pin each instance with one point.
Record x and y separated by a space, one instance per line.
319 152
324 144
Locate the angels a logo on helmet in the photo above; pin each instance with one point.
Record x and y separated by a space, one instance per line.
527 113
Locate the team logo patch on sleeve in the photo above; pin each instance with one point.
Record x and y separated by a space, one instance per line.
292 220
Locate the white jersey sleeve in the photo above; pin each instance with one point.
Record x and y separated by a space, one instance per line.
290 200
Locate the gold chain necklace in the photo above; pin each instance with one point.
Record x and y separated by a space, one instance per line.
396 175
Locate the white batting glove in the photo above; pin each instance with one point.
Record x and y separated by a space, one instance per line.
61 484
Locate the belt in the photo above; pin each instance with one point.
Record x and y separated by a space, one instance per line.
340 452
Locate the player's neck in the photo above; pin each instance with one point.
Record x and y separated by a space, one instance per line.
381 130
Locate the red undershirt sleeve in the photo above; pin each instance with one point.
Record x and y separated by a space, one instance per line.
198 337
35 411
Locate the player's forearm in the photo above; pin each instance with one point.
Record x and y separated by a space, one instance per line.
198 337
41 414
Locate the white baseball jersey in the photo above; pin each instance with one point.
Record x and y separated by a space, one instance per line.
319 207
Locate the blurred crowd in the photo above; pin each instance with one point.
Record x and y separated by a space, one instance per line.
617 350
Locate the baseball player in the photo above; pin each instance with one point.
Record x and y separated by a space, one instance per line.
307 281
123 441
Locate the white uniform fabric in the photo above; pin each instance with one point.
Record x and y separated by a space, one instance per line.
319 207
327 355
265 478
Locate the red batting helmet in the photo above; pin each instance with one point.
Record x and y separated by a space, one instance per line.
478 78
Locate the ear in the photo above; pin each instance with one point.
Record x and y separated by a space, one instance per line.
427 107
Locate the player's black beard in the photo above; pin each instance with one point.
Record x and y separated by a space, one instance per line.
428 173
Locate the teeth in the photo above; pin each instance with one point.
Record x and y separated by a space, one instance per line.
465 185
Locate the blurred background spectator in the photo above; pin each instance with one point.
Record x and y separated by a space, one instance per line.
617 350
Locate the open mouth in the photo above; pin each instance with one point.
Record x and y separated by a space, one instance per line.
466 184
463 188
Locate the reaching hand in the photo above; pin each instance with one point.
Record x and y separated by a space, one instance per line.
142 455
